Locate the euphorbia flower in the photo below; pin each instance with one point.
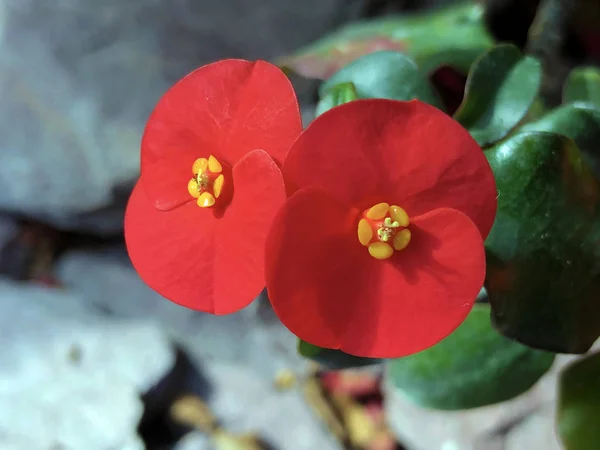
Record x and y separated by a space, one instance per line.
379 251
210 184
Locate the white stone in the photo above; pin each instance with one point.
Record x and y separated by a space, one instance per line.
535 432
252 337
194 441
246 402
69 380
240 354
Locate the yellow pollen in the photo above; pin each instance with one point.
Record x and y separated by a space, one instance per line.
200 166
365 232
378 211
381 250
193 188
383 229
399 215
218 185
402 239
208 182
206 200
214 165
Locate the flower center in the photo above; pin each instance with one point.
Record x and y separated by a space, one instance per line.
383 229
208 181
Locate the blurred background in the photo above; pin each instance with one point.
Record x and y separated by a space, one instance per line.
90 358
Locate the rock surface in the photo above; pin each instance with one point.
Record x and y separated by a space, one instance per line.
252 337
194 441
535 432
8 228
78 80
69 379
246 402
238 354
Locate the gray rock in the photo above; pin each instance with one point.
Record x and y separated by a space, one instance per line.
194 441
69 379
536 432
246 402
252 337
239 354
78 80
8 228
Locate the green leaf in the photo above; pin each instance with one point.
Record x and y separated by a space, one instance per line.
333 359
578 415
337 95
308 350
384 74
474 366
579 122
453 36
501 87
583 85
543 257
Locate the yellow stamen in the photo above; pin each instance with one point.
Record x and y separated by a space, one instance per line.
385 234
208 182
218 185
402 239
206 200
383 229
214 165
365 232
399 215
381 250
389 224
378 211
200 166
203 180
193 188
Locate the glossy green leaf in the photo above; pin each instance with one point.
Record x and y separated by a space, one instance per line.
384 74
333 359
336 95
543 268
579 122
453 36
583 85
474 366
501 87
578 417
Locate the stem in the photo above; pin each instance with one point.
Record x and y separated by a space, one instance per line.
546 41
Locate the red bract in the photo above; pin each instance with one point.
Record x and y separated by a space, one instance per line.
379 251
210 184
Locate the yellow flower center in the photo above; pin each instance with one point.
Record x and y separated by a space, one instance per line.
383 229
208 181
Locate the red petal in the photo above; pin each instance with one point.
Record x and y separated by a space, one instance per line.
329 291
259 194
226 109
405 153
202 261
425 292
315 266
173 251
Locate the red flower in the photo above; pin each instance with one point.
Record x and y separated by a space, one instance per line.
210 185
379 251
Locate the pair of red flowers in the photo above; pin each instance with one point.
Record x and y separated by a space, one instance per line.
367 228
